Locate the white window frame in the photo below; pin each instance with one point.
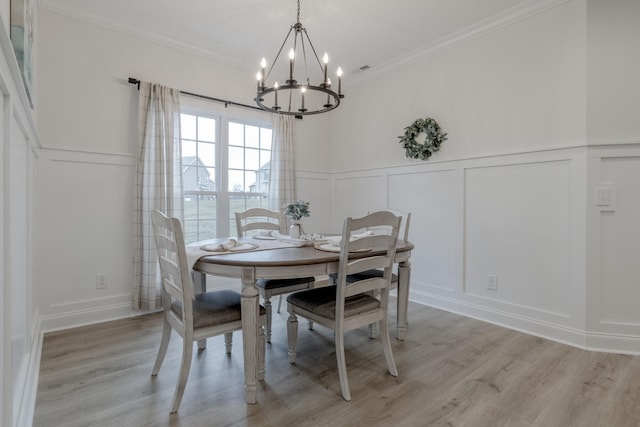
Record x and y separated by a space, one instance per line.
224 228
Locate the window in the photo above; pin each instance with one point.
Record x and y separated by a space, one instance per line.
225 168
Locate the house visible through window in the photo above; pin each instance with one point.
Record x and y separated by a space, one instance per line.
225 168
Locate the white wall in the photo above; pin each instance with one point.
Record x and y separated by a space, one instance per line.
511 193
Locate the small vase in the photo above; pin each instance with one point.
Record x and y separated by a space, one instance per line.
294 230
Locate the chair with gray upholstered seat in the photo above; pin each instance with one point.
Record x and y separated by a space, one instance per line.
259 219
193 317
348 306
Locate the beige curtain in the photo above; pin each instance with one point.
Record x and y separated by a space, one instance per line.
282 182
158 184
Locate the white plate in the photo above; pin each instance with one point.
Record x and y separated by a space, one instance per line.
242 247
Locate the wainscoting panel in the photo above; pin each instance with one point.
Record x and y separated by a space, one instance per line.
517 235
430 196
620 243
86 232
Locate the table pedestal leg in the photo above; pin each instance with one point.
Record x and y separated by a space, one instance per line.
250 314
404 277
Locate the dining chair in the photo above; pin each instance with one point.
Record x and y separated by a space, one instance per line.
193 316
348 306
404 234
259 219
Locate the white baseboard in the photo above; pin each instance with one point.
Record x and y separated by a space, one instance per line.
585 340
88 316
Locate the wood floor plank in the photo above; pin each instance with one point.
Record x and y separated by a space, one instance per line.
454 371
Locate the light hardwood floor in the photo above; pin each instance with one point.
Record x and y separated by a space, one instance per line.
454 371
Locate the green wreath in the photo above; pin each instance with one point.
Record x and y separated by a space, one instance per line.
433 138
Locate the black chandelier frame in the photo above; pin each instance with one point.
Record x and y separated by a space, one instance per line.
292 86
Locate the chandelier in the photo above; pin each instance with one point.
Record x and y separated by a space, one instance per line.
298 97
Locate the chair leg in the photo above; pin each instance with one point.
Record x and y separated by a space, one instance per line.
342 366
187 352
262 345
228 341
164 344
279 303
386 346
267 306
292 336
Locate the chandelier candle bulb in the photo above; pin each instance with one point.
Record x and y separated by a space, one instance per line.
275 87
259 77
339 73
325 60
263 65
291 56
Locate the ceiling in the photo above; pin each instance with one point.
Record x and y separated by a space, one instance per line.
355 33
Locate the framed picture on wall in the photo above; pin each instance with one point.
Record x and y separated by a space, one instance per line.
22 41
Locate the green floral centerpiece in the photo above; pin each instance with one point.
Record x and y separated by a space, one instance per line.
297 210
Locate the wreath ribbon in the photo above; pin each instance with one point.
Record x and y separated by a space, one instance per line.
433 138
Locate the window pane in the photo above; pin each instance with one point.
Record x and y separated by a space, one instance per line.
252 159
251 182
265 138
190 231
252 136
236 158
187 126
189 174
236 134
206 179
265 159
206 129
207 208
206 229
188 150
207 154
236 180
190 207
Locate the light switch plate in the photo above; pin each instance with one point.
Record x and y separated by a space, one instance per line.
605 198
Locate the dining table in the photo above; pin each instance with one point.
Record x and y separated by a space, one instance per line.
279 259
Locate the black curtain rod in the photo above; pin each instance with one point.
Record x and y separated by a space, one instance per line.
226 103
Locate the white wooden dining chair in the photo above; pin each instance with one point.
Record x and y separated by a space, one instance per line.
348 306
259 219
193 317
403 234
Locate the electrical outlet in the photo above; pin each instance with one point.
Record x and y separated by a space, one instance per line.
492 282
101 281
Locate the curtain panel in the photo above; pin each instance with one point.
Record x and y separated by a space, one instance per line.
158 185
282 183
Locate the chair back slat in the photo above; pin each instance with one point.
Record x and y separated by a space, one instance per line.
174 270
